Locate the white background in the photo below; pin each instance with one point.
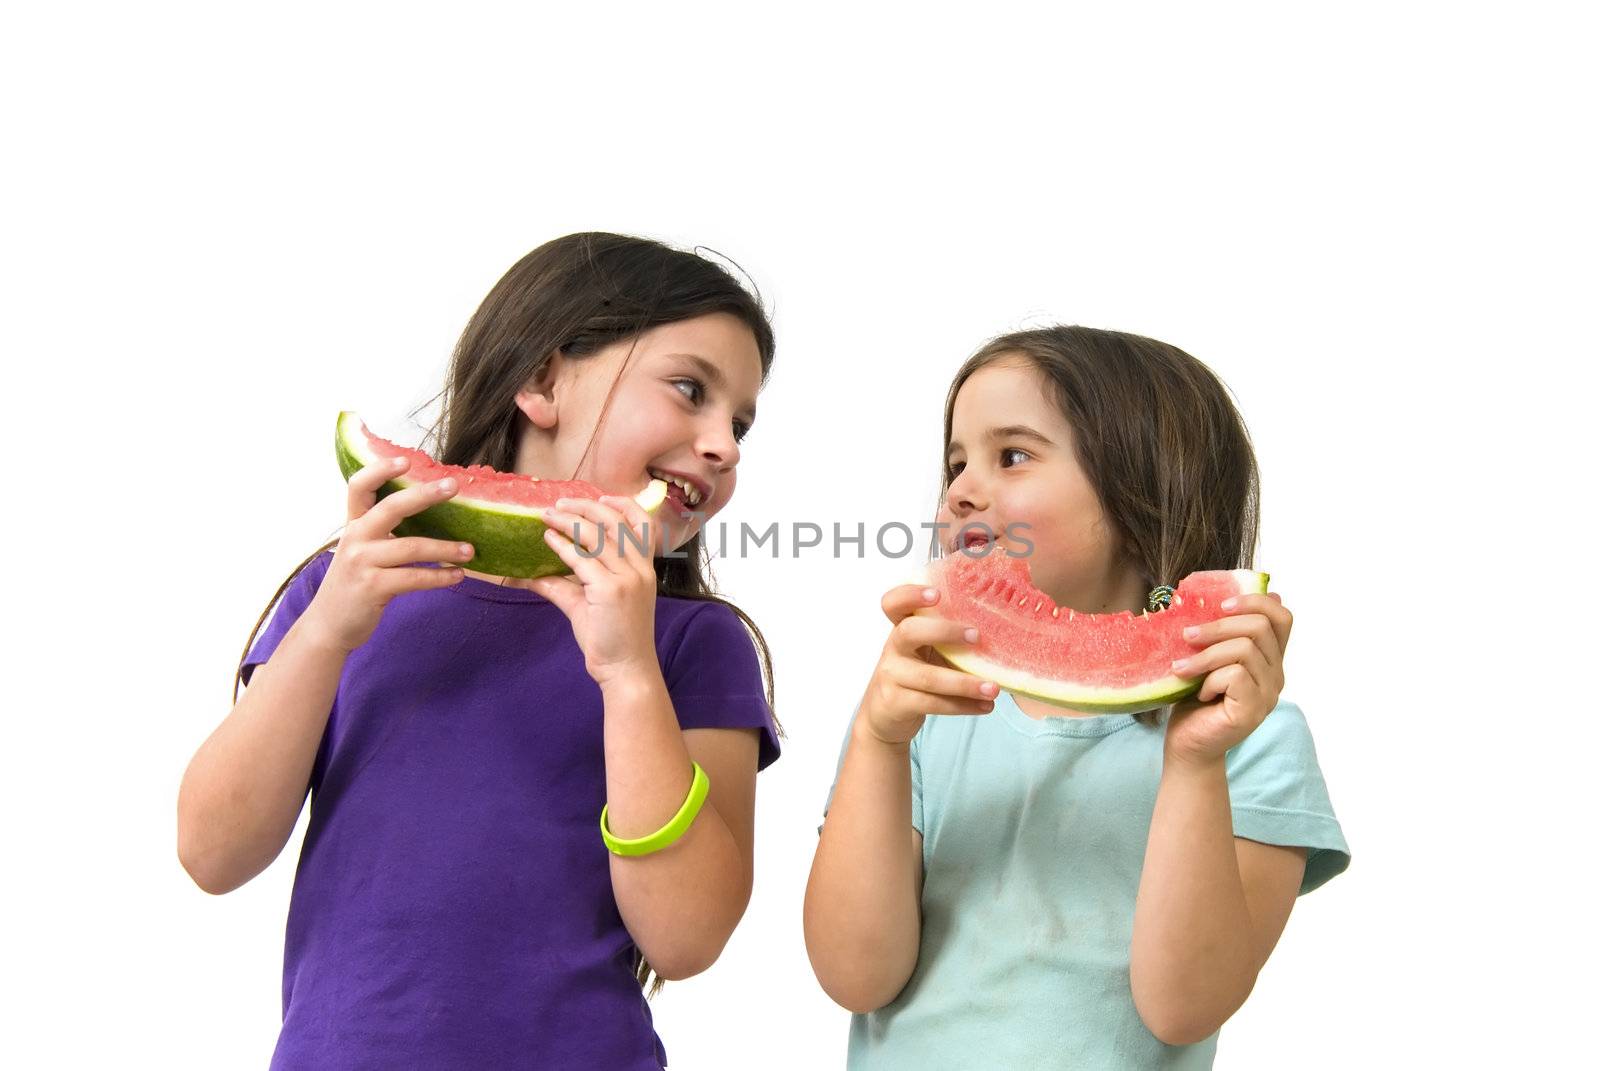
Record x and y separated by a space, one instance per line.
1376 222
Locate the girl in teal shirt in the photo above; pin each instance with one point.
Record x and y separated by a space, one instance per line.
1004 884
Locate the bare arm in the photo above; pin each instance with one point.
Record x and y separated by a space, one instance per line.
1211 907
863 916
244 788
681 904
863 919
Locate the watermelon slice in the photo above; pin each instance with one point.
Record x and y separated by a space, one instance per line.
1097 663
499 513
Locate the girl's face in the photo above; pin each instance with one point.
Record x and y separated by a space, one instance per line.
1012 463
684 399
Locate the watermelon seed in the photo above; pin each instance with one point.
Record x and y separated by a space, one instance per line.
1056 612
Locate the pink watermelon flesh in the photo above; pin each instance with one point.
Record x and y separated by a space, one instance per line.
482 483
499 513
1092 662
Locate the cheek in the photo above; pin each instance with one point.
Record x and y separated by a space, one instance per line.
724 494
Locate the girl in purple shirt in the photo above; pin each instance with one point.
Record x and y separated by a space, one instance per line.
456 903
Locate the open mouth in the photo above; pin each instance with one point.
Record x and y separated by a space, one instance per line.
972 541
681 491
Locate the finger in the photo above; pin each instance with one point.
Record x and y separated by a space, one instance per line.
386 553
649 533
392 582
362 492
382 518
1255 627
592 509
937 680
592 537
565 592
1241 651
930 703
1270 606
1230 680
916 632
587 570
901 602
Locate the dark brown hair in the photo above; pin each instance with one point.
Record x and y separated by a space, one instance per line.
1158 437
577 294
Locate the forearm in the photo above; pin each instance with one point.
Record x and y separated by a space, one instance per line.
862 907
680 904
1194 958
245 786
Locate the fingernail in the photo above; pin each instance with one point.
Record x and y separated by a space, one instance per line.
989 688
1180 665
1228 604
396 462
929 594
563 503
1191 632
466 550
447 485
971 634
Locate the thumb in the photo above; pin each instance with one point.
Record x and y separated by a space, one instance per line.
564 591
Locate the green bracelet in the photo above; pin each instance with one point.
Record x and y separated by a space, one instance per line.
668 833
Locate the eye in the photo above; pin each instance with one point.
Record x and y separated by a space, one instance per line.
954 468
692 389
740 430
1008 452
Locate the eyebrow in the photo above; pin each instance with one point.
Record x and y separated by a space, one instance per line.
713 375
1010 431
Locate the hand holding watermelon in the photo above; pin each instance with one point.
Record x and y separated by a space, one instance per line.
371 565
911 680
1241 658
611 597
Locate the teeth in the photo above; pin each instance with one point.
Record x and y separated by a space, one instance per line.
691 494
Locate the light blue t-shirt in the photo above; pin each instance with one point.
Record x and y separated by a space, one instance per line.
1034 835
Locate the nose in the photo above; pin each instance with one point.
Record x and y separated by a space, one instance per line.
718 447
965 495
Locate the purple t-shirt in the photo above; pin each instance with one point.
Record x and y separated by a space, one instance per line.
453 903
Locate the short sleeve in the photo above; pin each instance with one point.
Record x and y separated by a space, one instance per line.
916 780
714 677
296 597
1279 797
916 772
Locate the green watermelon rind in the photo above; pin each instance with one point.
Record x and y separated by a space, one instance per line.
1087 698
507 540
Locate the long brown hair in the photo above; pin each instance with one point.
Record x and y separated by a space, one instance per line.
577 294
1158 437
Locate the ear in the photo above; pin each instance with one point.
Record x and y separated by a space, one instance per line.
538 400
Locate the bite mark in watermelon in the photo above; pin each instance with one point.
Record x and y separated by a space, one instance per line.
499 513
1095 663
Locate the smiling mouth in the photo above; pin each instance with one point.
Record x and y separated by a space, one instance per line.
680 488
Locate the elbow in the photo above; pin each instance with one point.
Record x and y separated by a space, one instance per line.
857 999
678 964
1180 1021
202 869
198 872
1179 1029
202 861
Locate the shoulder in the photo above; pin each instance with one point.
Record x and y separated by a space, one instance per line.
303 584
686 623
1279 796
1284 735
